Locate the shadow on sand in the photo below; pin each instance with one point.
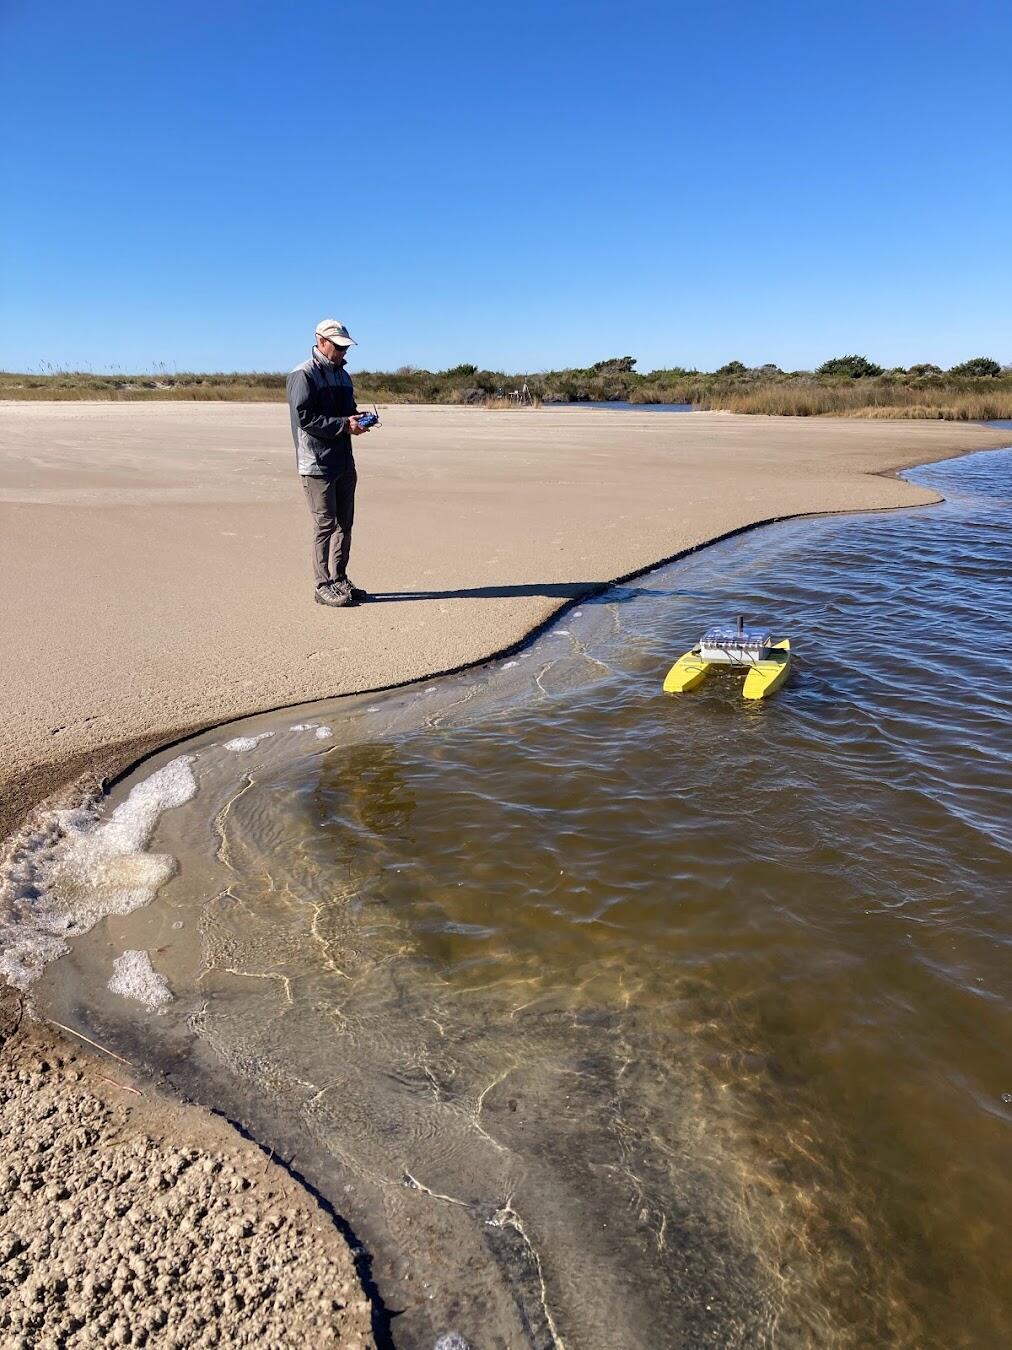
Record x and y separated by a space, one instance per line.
558 590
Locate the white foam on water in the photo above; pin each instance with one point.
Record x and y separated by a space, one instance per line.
510 664
321 732
240 744
133 976
74 868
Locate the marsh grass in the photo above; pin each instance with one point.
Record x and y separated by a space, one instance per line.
921 392
969 409
867 398
66 386
509 404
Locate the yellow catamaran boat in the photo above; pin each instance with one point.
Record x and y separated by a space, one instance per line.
767 663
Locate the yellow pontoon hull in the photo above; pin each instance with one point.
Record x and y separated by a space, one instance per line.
768 675
688 671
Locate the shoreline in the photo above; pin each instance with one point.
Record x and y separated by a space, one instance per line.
39 775
110 781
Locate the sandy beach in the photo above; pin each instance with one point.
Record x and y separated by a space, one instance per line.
156 580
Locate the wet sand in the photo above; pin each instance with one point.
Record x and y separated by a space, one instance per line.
154 558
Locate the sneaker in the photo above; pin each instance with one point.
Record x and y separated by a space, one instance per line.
333 596
346 587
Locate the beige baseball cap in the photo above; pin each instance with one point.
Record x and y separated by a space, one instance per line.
335 332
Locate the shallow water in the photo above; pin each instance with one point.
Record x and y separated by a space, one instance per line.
611 1019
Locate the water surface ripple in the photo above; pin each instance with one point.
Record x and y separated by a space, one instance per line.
615 1020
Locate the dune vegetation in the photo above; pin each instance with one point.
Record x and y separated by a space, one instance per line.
979 389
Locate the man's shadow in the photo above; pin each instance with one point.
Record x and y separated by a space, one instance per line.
551 590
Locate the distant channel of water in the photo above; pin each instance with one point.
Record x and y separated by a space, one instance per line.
619 406
614 1020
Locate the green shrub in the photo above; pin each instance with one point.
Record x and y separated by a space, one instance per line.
978 366
849 367
615 365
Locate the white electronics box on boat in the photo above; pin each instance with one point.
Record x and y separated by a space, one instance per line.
735 645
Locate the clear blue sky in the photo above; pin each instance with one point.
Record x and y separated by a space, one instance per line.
523 186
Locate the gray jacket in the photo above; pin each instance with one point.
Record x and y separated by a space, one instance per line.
321 399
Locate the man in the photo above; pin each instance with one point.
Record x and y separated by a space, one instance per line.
322 404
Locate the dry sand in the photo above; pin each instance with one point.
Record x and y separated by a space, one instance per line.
155 579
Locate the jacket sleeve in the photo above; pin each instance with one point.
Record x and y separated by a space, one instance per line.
299 395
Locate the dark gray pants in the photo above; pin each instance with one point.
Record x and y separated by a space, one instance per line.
332 504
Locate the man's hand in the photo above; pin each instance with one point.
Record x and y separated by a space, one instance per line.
355 429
